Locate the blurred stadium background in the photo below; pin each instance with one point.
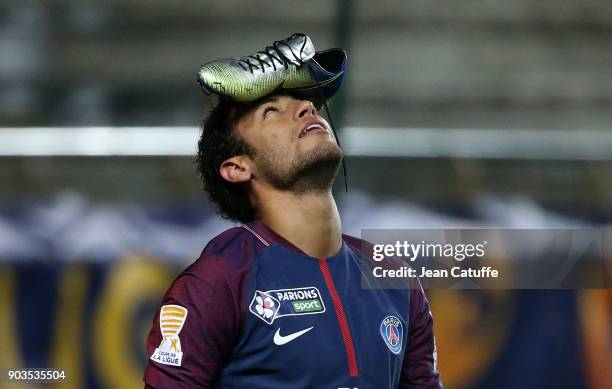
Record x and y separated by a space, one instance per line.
471 113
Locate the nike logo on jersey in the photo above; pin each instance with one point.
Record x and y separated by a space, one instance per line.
279 340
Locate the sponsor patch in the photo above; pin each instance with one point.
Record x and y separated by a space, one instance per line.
272 304
171 320
392 333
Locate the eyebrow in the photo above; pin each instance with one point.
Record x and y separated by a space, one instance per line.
267 99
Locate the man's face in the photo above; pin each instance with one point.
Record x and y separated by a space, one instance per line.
293 147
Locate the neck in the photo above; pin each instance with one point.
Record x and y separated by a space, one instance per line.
310 221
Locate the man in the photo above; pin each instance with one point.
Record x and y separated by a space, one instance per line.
277 302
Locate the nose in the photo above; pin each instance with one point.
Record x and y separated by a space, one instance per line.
305 108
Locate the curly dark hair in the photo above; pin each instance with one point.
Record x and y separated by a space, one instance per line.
219 141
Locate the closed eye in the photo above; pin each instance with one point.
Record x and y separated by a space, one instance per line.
268 110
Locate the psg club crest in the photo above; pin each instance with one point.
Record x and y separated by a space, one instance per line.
392 333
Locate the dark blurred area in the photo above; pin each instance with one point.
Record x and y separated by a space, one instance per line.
478 64
505 110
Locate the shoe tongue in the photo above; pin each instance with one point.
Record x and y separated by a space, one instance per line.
298 45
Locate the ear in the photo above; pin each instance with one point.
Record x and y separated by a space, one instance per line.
236 169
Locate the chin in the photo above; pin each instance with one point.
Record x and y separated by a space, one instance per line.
313 168
321 145
322 153
318 139
317 169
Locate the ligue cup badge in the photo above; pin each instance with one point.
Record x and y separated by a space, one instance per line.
171 320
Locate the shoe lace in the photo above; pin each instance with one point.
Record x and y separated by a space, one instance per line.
271 56
333 127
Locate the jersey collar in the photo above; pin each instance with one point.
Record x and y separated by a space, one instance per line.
270 237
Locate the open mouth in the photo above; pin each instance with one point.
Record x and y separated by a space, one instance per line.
314 128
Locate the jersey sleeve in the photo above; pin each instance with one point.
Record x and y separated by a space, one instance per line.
194 331
419 367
